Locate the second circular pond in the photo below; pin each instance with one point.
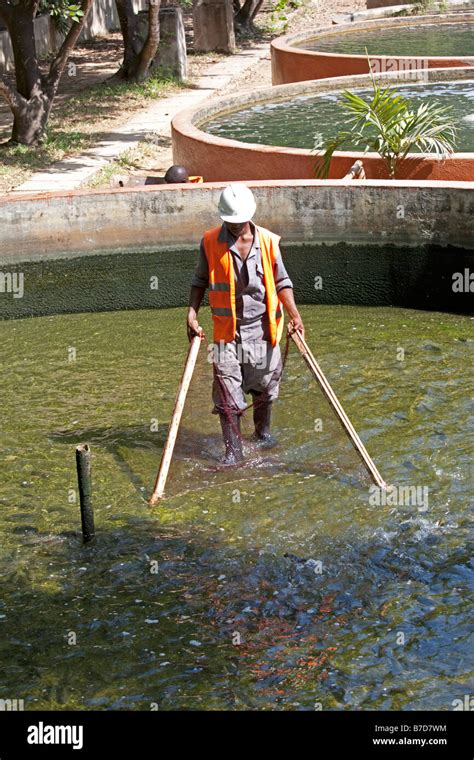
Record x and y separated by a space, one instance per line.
411 39
294 123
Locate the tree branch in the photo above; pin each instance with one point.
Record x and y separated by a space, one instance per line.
59 62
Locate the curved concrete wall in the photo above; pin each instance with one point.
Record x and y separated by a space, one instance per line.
373 243
85 223
219 159
293 64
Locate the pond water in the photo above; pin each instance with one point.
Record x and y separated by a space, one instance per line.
294 123
275 585
456 39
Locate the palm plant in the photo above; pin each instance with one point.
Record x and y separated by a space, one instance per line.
390 125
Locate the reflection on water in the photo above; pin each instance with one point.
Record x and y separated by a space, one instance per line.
411 40
276 585
295 123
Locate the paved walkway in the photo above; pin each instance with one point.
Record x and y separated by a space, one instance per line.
71 173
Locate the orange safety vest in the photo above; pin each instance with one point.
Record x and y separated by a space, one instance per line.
222 285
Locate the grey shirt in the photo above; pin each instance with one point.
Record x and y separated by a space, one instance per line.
250 296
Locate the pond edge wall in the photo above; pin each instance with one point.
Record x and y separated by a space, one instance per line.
46 226
377 244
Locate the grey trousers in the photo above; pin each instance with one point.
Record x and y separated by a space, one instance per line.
250 367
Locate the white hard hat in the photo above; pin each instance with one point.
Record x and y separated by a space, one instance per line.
236 204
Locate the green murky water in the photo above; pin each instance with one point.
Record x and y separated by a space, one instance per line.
411 40
168 633
295 123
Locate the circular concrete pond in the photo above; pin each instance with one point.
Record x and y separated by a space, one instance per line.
422 40
295 123
293 551
393 44
269 134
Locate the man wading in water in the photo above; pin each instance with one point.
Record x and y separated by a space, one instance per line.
241 265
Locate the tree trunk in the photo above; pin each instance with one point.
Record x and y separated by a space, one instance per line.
32 100
151 43
30 119
32 108
131 44
22 35
245 16
138 52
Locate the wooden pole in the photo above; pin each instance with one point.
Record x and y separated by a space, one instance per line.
159 487
83 464
339 411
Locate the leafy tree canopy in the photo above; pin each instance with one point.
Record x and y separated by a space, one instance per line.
62 12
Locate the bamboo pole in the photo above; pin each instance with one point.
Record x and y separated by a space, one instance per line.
337 407
83 464
159 487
